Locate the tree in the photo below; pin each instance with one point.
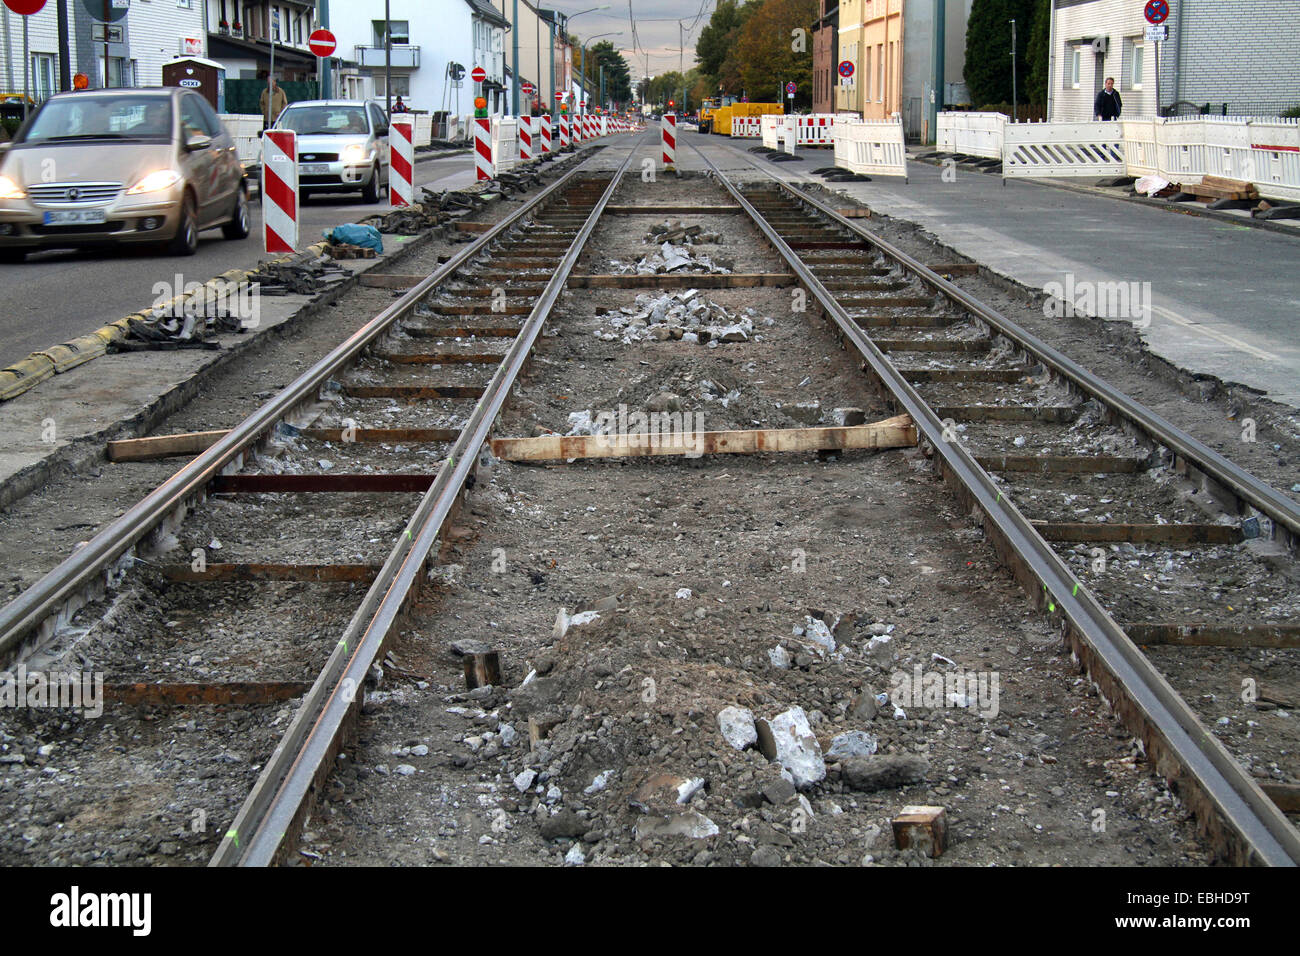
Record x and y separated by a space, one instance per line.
988 48
767 54
1039 54
716 39
618 78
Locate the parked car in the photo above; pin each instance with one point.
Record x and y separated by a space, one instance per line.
125 165
342 146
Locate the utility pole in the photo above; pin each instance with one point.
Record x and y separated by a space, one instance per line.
602 86
65 64
937 79
271 17
388 60
514 60
1014 110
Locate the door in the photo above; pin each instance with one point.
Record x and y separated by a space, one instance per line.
229 172
201 166
380 124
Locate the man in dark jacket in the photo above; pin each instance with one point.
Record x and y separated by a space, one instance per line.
1108 105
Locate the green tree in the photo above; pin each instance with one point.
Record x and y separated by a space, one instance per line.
618 78
988 48
767 53
1039 54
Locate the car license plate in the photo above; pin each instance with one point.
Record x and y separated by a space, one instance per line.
315 168
73 217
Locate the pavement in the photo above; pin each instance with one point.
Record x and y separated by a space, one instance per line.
60 294
1224 296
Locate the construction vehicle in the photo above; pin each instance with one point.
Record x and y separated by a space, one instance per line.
707 110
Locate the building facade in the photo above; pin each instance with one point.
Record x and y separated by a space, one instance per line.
1240 55
826 48
871 38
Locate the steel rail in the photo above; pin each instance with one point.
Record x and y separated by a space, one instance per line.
272 807
1262 832
25 614
1268 500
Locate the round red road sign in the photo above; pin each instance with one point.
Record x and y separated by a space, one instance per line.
478 74
528 88
1157 11
25 7
322 43
558 96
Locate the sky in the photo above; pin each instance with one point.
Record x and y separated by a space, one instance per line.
653 47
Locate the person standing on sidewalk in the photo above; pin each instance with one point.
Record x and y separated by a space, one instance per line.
1108 105
278 101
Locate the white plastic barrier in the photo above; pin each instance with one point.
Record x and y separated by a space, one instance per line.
505 143
770 127
870 147
974 134
1141 154
1045 150
816 129
1275 149
423 129
246 129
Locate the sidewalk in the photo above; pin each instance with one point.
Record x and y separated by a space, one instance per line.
1225 297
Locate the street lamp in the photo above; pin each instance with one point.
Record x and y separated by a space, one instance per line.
582 58
572 16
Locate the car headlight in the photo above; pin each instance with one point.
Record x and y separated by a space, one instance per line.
157 180
354 153
10 189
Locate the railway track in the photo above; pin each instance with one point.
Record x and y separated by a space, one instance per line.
1083 490
374 444
391 425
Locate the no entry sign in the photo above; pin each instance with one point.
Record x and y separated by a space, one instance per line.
25 7
478 74
322 43
528 88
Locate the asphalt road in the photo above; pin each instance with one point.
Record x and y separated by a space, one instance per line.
57 295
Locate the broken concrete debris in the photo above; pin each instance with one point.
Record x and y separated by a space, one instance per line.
788 739
683 316
673 230
671 258
737 725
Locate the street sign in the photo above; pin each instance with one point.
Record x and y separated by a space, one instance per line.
582 103
790 88
478 74
1157 11
1157 33
96 9
528 88
25 7
846 68
322 42
558 96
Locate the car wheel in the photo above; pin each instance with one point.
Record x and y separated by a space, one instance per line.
186 240
13 255
370 193
237 227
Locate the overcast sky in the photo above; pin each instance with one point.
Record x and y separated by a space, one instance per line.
656 38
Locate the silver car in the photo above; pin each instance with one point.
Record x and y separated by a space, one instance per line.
342 146
151 166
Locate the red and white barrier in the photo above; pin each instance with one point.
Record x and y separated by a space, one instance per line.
669 128
280 190
401 160
525 138
546 133
564 131
483 165
817 129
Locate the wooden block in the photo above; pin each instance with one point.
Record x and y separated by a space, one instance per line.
482 670
923 827
162 446
539 728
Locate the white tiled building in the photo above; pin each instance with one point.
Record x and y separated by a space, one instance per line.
1244 54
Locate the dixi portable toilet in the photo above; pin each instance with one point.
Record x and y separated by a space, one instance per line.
207 77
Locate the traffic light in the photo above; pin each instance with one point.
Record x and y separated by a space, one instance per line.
480 107
671 103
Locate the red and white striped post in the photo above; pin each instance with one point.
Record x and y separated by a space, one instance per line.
483 166
525 138
545 133
669 128
564 131
401 167
280 190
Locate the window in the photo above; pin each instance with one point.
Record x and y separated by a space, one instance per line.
401 84
1139 56
193 121
42 75
880 67
866 74
1076 66
401 31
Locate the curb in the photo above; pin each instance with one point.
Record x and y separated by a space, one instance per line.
37 367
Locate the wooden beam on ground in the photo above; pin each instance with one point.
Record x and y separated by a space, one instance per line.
1285 795
473 227
965 375
382 434
933 345
1210 635
1008 413
319 484
441 358
413 393
1062 464
234 693
956 268
679 280
1116 532
899 321
461 331
162 446
897 432
381 280
663 210
306 573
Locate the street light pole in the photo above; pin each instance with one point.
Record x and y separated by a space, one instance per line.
1014 111
514 60
388 60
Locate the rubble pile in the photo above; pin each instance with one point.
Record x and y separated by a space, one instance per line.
673 230
684 316
671 258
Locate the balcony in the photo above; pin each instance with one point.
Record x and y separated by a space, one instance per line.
405 56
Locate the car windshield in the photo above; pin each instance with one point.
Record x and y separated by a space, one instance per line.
318 120
100 118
